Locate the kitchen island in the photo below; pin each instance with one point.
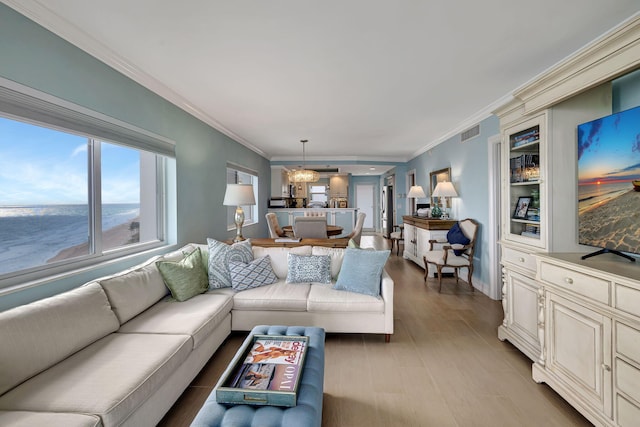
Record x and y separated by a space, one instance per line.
342 217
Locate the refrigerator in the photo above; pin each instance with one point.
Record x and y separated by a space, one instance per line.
387 210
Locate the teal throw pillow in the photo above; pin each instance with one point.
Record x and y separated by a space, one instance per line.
185 278
308 268
252 275
361 271
219 256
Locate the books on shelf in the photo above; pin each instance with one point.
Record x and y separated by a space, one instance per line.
525 137
525 168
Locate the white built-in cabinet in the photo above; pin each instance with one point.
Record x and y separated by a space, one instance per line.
577 320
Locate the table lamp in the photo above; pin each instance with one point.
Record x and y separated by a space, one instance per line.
239 195
443 189
416 192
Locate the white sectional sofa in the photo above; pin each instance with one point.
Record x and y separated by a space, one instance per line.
119 351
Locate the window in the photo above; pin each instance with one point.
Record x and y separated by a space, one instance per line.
239 175
69 199
319 193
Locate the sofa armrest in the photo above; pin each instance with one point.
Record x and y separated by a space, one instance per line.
386 292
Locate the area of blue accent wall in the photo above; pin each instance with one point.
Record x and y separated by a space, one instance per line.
626 91
35 57
469 163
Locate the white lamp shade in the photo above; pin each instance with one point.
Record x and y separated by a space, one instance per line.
444 189
416 192
239 194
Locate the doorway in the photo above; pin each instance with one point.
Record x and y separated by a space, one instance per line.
365 198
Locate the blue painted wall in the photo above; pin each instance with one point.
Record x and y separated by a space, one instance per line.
469 163
35 57
626 92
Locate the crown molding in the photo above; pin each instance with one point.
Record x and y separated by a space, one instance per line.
605 58
39 13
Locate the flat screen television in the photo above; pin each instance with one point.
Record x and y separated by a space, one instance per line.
609 183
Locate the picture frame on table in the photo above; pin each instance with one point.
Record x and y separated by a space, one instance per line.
522 207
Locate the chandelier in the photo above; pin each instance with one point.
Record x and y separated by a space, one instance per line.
304 174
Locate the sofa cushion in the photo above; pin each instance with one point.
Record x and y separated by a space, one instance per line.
336 254
40 334
219 256
324 298
252 275
49 419
309 268
362 271
134 290
278 256
197 317
111 378
280 296
185 278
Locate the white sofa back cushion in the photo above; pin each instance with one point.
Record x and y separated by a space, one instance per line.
40 334
278 256
134 290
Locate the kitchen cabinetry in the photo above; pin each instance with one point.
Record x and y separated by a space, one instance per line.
279 181
418 232
590 335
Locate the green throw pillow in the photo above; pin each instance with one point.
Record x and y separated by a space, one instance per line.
362 271
185 278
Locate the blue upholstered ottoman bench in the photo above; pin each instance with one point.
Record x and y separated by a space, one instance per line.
307 412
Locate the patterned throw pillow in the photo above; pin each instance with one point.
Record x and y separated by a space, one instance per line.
310 268
185 278
219 256
252 275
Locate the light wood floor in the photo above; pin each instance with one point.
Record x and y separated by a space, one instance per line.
443 367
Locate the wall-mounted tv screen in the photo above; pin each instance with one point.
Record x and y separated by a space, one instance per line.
609 182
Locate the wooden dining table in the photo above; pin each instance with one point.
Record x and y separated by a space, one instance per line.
332 230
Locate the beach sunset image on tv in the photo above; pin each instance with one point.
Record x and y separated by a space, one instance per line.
609 182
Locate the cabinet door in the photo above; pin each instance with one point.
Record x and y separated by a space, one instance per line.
579 351
410 242
521 312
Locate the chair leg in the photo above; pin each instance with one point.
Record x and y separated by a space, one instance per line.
455 273
426 272
470 269
439 278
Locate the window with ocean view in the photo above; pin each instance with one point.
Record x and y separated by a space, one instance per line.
66 197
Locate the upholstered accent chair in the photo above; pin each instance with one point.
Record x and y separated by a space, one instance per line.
274 228
451 254
310 227
356 234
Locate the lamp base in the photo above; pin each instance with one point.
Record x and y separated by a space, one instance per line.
239 220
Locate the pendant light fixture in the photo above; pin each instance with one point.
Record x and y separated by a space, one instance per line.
303 175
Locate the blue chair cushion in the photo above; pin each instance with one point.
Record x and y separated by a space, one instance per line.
455 235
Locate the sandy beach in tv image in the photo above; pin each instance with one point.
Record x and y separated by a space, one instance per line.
609 182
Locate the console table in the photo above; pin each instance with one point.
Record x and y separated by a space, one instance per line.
417 233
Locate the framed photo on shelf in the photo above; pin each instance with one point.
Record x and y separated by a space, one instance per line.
522 207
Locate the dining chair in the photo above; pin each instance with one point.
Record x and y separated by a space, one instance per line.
310 227
453 254
356 234
397 237
274 228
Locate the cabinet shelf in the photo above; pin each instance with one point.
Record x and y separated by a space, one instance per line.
526 221
517 184
529 146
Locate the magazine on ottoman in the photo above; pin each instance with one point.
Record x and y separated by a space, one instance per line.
265 372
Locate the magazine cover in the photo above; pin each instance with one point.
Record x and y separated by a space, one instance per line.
285 352
262 376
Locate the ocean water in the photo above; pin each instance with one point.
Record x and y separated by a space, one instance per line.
594 194
31 235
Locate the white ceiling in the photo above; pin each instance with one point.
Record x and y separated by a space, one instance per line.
362 80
